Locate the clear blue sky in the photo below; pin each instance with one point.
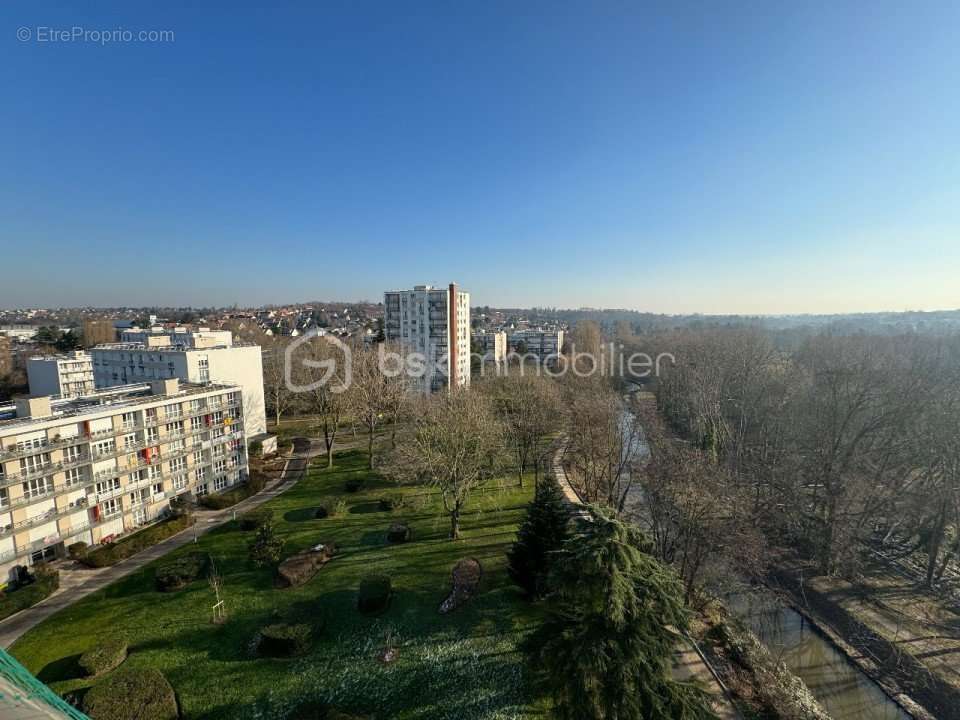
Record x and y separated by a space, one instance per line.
704 156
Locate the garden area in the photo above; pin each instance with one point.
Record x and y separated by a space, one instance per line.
352 621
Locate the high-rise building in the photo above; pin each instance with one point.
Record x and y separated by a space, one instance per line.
198 360
434 322
545 344
492 345
69 375
96 332
92 468
201 337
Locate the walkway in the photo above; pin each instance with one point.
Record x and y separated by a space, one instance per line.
76 581
688 663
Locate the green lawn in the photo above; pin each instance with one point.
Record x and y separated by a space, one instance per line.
463 665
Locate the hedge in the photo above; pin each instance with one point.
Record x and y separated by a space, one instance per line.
20 599
132 695
179 572
255 518
398 533
103 658
220 501
374 594
111 554
77 550
353 485
284 640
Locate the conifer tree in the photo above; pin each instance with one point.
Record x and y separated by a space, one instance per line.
539 539
605 651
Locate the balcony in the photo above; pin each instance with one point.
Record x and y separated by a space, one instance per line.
30 473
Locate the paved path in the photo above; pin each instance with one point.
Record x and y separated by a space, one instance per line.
76 581
688 663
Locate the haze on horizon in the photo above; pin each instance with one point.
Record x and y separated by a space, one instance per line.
677 159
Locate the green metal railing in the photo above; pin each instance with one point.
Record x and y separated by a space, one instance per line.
23 692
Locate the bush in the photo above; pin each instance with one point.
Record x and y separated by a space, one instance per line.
284 640
113 553
387 504
16 600
255 518
266 547
255 448
77 550
321 512
179 572
353 485
256 482
221 501
331 509
374 594
103 658
298 569
132 695
398 533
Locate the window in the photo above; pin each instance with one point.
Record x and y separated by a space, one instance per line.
180 482
4 497
196 405
153 472
220 466
201 490
129 418
72 453
178 464
110 507
38 487
152 434
104 447
74 476
158 488
201 474
130 440
196 423
177 446
172 410
34 463
220 483
198 457
106 486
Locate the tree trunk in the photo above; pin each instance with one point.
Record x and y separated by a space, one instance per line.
330 456
455 524
370 448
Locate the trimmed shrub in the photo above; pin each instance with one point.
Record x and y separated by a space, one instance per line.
103 658
353 485
77 550
320 513
132 695
374 594
113 553
387 504
398 533
331 509
298 569
255 518
179 572
46 582
284 640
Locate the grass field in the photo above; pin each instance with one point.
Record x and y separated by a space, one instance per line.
463 665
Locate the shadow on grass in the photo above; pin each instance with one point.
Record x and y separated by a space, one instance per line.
366 508
301 514
67 668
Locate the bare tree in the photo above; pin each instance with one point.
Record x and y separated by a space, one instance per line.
329 400
531 408
377 394
279 398
456 446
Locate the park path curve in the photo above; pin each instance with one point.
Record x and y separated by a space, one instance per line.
78 582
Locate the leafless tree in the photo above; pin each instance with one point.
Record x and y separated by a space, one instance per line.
279 398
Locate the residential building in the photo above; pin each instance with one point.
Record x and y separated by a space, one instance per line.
69 375
491 345
434 322
97 332
6 356
201 337
19 333
124 363
90 469
545 344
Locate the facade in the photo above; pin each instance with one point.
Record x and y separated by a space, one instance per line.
89 469
6 356
545 344
203 337
124 363
69 375
492 345
96 332
436 323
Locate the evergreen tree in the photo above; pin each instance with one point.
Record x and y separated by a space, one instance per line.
539 539
606 648
266 547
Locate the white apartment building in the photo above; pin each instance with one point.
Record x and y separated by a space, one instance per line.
202 337
492 345
545 344
200 362
434 322
69 375
89 469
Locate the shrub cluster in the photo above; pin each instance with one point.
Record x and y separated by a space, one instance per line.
398 533
132 694
220 501
282 640
46 581
122 549
103 658
255 518
179 572
374 594
77 550
331 508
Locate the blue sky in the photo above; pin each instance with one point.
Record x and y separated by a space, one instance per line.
677 157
